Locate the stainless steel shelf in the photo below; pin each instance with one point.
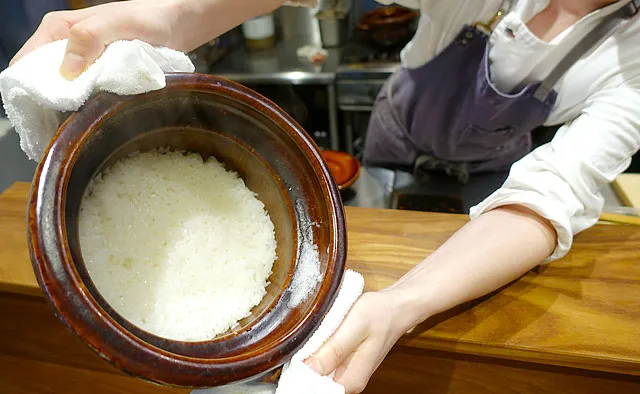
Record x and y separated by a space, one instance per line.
276 65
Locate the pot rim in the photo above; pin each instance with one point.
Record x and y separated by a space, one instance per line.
48 244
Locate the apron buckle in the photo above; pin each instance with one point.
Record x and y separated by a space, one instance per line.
488 27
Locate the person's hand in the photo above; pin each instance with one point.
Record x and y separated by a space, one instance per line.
356 349
90 30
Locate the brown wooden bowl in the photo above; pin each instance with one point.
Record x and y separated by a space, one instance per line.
250 135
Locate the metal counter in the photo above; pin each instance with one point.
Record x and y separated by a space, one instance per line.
375 187
372 189
278 65
281 65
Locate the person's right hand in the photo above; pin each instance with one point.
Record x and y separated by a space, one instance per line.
374 324
90 30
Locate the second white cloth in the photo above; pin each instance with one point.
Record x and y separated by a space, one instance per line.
297 377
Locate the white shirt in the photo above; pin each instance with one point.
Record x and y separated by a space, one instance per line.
598 104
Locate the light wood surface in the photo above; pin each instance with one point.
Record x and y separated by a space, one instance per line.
627 187
620 219
24 376
39 356
16 274
581 312
412 371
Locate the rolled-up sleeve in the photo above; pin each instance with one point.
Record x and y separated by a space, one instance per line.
561 181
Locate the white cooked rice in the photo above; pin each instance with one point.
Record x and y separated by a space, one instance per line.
177 246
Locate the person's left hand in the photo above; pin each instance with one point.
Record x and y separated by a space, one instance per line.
364 338
89 30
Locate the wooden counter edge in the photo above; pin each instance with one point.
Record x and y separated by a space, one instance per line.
516 353
424 342
504 352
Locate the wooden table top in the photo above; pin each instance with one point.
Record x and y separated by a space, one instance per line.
582 311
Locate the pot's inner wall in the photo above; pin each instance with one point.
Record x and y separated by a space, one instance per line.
245 141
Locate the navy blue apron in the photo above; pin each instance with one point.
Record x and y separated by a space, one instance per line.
448 116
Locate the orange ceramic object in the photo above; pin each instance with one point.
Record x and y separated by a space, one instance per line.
344 167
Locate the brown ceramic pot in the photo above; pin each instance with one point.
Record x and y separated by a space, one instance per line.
250 135
387 27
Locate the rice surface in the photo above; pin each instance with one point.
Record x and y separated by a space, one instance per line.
177 246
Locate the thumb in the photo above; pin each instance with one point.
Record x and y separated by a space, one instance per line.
87 41
337 349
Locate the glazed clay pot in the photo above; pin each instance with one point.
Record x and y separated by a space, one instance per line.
388 27
250 135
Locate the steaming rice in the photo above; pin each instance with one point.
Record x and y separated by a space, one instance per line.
177 246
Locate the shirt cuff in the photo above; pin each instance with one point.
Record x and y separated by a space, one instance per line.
541 205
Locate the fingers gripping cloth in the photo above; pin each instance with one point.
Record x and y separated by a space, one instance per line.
36 95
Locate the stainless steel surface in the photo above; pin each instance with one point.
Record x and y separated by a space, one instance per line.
284 77
333 18
302 3
337 7
277 65
349 136
333 31
356 92
611 198
5 126
370 68
360 76
627 211
333 117
297 22
372 189
355 121
241 388
281 65
15 166
353 108
442 193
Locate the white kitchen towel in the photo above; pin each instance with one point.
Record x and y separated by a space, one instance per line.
297 377
36 95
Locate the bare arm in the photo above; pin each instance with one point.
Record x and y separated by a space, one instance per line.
203 20
179 24
485 254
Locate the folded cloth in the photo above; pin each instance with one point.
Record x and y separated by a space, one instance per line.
36 95
297 377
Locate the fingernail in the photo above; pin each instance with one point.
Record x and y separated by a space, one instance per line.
314 364
72 65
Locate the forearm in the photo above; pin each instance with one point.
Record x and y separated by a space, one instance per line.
199 21
484 255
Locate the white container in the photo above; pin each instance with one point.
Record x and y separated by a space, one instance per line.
260 32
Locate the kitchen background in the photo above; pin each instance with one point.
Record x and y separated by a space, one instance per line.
324 66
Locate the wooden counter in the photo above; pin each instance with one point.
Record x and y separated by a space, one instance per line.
573 328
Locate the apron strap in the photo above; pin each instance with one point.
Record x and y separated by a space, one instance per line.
591 40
